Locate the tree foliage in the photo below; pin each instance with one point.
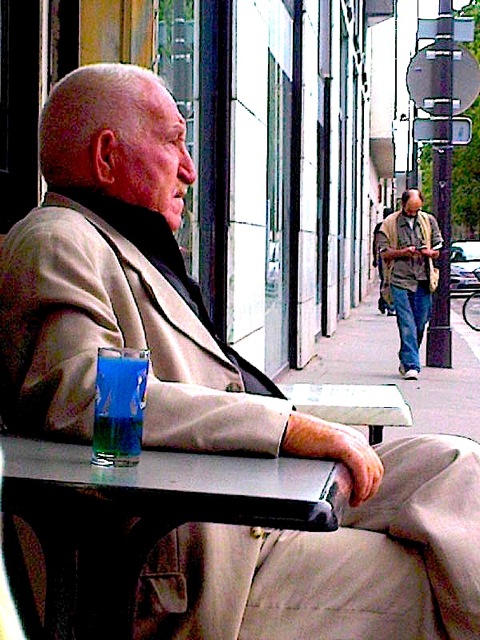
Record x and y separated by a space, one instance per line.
182 8
465 201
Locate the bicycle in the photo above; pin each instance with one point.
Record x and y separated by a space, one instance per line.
471 310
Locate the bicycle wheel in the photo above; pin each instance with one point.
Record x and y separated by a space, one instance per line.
471 310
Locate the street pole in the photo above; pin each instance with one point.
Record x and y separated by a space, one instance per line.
414 175
439 334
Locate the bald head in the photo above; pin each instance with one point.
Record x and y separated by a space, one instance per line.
412 201
101 96
114 129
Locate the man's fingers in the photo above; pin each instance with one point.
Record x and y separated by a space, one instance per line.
311 437
367 471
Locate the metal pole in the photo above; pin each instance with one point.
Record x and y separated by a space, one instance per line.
414 175
439 335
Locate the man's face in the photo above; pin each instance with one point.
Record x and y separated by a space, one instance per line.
155 168
413 205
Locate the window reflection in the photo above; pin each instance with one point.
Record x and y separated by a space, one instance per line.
175 64
278 208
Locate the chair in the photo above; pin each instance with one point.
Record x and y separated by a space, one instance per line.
10 626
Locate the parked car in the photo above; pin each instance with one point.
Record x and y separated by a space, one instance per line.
462 278
464 265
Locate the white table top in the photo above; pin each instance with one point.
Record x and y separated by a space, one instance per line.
300 485
357 404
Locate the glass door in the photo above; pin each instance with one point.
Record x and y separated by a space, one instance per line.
278 208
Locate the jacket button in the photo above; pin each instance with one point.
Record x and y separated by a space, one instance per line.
257 532
235 387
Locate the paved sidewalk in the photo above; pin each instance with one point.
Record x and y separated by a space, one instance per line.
364 351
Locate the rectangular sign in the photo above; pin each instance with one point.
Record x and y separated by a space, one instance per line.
463 29
424 131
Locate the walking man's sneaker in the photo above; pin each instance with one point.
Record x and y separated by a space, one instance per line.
408 374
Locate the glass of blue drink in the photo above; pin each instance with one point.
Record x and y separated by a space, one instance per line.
119 403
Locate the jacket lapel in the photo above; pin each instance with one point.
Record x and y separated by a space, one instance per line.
425 227
170 305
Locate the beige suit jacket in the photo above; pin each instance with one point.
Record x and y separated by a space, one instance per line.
70 283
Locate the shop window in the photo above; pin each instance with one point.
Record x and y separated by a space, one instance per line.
175 64
278 206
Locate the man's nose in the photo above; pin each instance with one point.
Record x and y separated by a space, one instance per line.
186 170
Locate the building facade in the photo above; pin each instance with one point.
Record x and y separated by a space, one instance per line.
291 133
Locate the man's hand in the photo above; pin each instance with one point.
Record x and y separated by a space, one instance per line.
310 437
409 251
429 253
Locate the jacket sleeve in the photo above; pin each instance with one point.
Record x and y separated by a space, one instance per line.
57 309
382 240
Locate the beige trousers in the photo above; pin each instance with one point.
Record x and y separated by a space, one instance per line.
420 581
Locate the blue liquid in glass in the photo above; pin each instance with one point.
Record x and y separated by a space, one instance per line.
120 400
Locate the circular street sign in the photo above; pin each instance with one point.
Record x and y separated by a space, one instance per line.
422 76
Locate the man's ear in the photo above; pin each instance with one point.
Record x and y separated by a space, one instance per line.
102 158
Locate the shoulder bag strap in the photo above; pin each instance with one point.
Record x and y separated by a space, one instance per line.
426 228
